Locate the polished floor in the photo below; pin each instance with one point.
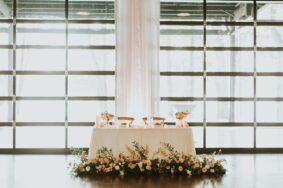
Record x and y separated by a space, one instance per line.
50 171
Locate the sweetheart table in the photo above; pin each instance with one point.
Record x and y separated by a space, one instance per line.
117 139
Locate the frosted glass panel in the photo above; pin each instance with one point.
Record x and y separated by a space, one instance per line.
269 111
229 36
6 111
269 137
40 111
86 111
225 86
91 85
181 35
229 111
35 59
96 60
6 85
6 137
229 61
231 137
40 137
181 86
269 86
41 34
91 34
269 61
181 61
6 59
79 136
269 36
6 33
33 85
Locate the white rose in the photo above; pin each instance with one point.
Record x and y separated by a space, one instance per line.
212 171
117 167
189 172
87 168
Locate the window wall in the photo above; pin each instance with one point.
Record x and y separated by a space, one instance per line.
219 59
56 71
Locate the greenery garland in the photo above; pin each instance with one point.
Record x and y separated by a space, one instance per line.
165 161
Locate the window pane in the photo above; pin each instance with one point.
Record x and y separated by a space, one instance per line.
198 136
229 111
100 60
181 86
168 109
41 9
269 11
269 61
6 111
91 34
41 34
269 36
229 36
229 61
34 85
40 137
91 85
6 85
91 9
40 111
34 59
79 136
229 11
6 59
227 86
269 137
86 111
181 10
229 137
179 36
7 9
269 111
269 86
6 137
181 61
6 33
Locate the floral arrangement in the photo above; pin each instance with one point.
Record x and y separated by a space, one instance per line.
165 161
107 117
181 115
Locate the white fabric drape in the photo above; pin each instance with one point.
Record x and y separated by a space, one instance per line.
137 57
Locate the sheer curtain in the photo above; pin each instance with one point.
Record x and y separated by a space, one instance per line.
137 57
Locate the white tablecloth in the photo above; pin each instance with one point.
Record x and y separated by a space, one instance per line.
117 138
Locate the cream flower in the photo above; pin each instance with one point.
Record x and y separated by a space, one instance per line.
87 168
117 167
172 170
122 173
189 172
212 171
148 167
180 168
204 170
140 164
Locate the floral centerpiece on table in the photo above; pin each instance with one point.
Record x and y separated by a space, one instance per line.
107 117
165 161
182 118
